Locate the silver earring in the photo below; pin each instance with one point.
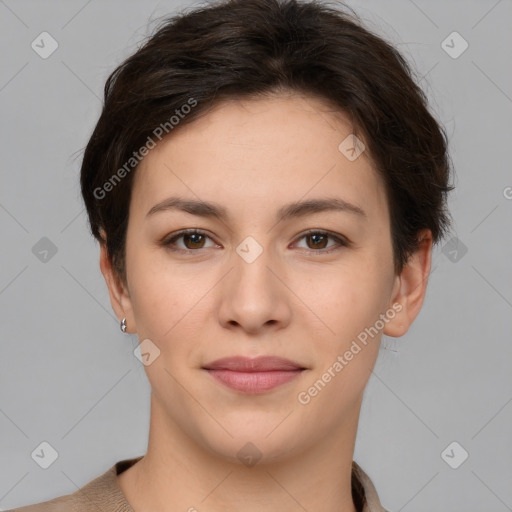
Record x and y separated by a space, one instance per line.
123 325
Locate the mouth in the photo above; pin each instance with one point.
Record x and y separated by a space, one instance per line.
253 375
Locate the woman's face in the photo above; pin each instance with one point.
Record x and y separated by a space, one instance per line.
253 282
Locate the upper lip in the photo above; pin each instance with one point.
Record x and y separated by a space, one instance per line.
256 364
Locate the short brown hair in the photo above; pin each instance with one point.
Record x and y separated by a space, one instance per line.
249 48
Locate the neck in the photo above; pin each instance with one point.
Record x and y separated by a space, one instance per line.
178 473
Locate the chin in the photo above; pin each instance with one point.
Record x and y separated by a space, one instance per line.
249 450
252 440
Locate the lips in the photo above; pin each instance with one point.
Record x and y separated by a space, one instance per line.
253 375
257 364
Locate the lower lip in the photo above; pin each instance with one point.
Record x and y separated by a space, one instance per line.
254 382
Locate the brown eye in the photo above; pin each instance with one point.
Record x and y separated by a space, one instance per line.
317 241
195 241
192 240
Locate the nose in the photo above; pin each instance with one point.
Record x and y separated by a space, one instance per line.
254 296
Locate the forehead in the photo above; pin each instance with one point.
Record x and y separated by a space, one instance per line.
277 149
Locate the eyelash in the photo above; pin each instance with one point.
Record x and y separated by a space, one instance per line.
342 242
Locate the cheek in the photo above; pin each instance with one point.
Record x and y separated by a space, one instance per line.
161 293
352 299
350 305
156 308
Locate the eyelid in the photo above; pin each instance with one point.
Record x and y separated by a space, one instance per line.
168 241
341 240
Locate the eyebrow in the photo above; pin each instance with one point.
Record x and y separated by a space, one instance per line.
292 210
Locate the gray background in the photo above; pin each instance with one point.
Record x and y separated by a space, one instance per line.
68 376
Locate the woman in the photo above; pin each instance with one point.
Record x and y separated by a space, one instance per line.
266 183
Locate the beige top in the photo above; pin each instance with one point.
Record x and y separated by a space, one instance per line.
104 494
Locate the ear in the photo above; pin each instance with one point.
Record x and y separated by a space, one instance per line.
118 291
410 287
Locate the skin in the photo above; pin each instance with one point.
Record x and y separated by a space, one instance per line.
295 301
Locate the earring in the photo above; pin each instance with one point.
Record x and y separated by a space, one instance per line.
123 325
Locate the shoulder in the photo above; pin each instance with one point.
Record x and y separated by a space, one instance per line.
103 493
61 504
